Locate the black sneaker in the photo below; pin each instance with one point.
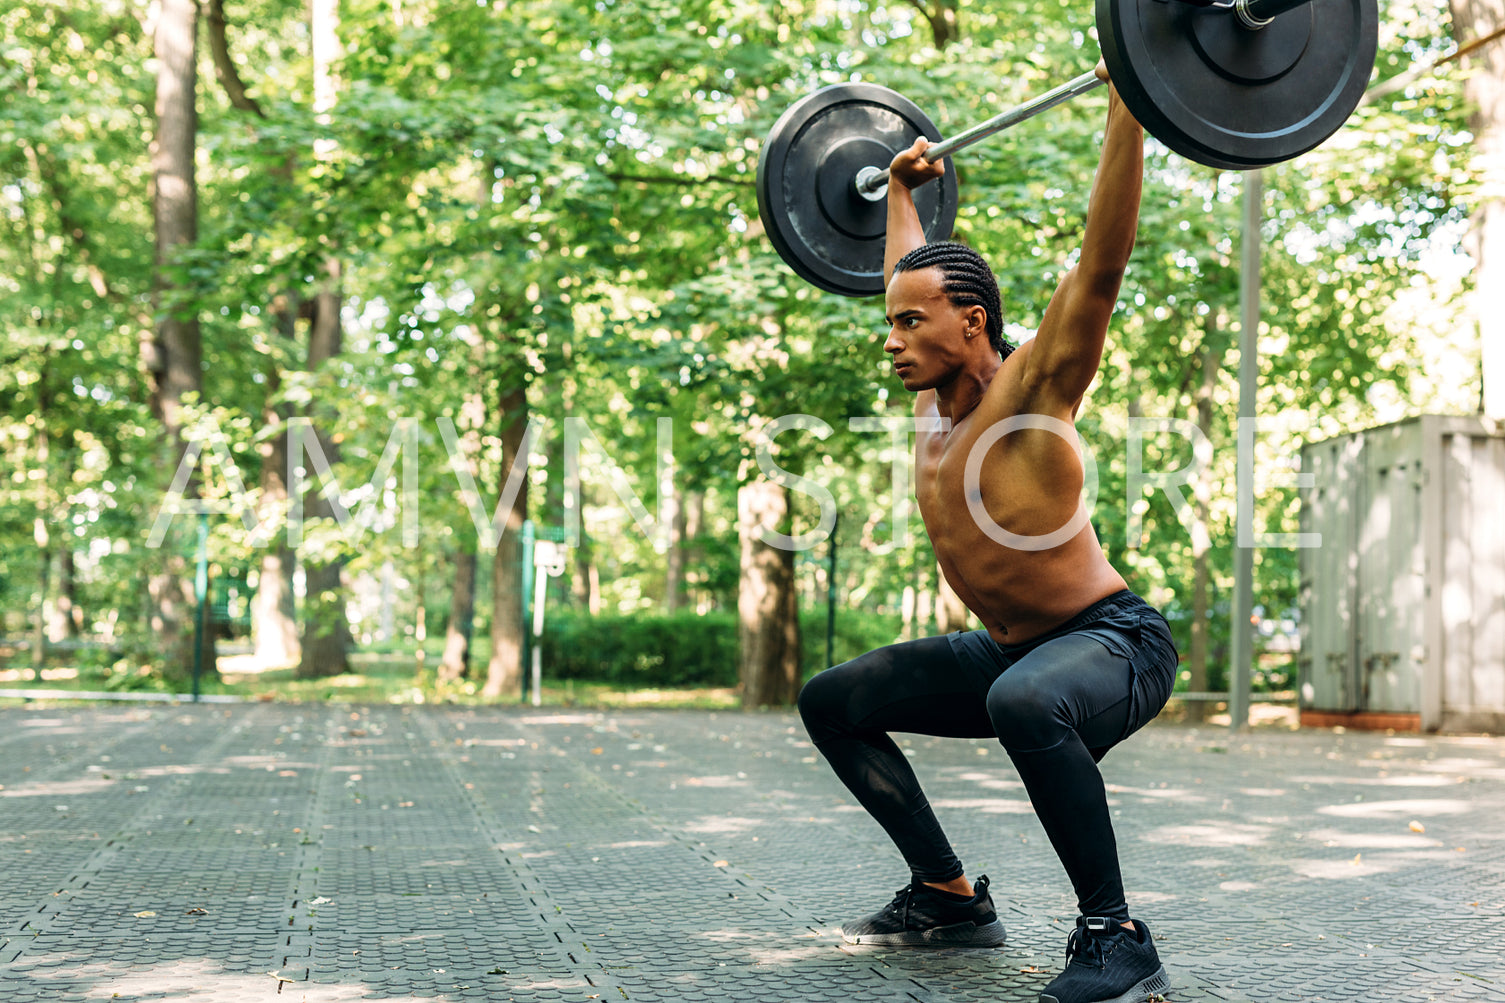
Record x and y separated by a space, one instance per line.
921 916
1108 963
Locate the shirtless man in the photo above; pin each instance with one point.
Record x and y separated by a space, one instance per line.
1071 662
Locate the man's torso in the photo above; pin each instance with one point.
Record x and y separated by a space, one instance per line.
1036 568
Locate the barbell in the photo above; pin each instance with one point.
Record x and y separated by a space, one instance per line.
1233 84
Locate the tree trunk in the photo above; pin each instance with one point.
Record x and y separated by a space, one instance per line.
173 357
944 19
455 663
674 568
768 630
585 586
1484 90
1215 345
420 619
694 520
1201 535
326 638
584 579
62 615
504 673
44 590
325 641
274 611
70 623
326 628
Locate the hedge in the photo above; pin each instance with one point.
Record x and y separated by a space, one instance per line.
686 649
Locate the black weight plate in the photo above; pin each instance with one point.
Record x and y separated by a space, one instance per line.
1231 97
824 230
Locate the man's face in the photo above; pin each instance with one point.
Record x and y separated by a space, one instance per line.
927 334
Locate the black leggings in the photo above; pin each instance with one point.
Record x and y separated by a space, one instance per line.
1057 704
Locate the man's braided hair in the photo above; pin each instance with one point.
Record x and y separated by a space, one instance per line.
966 280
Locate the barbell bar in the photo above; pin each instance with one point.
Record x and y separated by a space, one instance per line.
1233 84
872 183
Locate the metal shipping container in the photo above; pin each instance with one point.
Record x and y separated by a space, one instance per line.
1403 602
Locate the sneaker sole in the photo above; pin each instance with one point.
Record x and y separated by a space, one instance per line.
1152 986
957 935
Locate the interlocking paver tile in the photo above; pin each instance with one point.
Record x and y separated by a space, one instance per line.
335 853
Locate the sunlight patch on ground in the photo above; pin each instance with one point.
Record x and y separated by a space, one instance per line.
992 782
1407 809
1238 886
988 806
1338 870
717 781
58 788
1408 780
730 824
1208 834
184 980
1373 840
787 955
1180 795
562 719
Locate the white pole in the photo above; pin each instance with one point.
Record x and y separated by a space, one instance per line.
1242 639
540 584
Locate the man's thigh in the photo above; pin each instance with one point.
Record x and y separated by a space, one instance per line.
920 687
1072 683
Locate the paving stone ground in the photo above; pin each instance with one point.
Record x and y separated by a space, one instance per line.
325 853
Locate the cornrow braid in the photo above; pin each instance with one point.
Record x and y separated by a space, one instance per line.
967 281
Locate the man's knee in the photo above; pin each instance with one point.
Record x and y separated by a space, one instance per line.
819 705
1025 714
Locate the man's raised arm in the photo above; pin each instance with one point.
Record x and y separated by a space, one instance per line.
1069 345
1113 209
909 170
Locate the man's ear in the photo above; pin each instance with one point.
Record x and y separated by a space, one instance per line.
977 321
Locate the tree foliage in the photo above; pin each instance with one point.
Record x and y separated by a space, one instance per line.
556 200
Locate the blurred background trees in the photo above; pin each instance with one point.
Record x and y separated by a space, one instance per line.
409 232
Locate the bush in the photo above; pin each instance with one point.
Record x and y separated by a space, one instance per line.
642 650
857 631
687 649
